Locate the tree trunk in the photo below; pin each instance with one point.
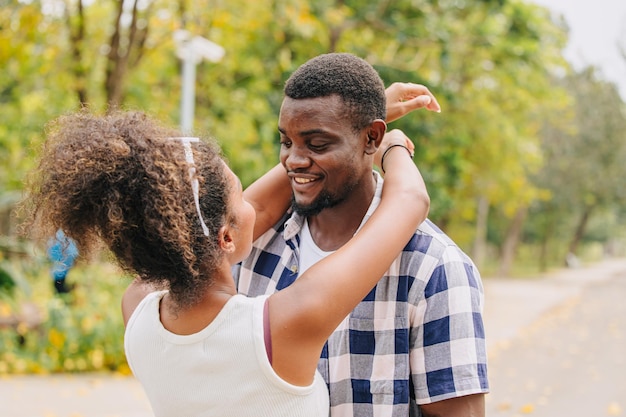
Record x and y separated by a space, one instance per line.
580 230
77 41
544 249
511 241
480 239
118 59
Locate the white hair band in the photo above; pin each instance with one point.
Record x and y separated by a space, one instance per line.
195 185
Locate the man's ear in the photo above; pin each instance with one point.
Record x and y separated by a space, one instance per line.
225 239
375 133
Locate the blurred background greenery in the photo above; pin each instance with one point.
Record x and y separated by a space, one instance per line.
524 166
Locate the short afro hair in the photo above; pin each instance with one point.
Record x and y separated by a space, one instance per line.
346 75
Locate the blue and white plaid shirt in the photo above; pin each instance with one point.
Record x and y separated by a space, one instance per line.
416 338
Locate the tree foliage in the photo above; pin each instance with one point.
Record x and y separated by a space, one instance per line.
496 67
585 161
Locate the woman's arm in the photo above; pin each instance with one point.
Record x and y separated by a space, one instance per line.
394 137
304 315
270 196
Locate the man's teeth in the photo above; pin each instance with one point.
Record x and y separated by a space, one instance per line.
302 180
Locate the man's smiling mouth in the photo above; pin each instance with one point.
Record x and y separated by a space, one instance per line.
300 180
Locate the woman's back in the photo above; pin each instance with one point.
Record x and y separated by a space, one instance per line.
222 370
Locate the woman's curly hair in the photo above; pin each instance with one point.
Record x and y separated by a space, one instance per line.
122 180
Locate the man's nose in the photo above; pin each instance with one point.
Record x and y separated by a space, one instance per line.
297 157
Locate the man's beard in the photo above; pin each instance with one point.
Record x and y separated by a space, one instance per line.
323 201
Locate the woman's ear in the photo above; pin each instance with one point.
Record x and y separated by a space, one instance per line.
375 133
225 239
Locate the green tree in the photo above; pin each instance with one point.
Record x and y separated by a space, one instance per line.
585 169
31 88
491 63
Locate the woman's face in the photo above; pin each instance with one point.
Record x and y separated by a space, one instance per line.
243 218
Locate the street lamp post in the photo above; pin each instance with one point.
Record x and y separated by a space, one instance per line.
191 50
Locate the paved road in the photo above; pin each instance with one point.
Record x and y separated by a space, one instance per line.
556 346
571 360
72 396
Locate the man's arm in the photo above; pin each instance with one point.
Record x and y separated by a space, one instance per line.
467 406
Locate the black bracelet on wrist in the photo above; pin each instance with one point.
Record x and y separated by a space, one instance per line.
382 160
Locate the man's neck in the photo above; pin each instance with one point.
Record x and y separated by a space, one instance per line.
333 227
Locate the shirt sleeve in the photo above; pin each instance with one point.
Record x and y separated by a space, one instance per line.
447 344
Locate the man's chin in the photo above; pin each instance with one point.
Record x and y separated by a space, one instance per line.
315 207
308 209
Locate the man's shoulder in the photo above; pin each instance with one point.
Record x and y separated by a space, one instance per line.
431 240
431 252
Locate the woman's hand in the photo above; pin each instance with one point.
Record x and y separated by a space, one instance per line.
403 98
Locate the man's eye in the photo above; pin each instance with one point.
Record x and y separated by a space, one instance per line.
285 143
318 147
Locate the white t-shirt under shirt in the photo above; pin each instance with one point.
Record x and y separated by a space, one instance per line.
222 370
310 253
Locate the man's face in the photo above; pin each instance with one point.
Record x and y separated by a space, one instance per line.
323 155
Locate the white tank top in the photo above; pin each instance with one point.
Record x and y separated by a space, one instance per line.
222 370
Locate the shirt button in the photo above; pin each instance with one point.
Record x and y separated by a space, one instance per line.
294 269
